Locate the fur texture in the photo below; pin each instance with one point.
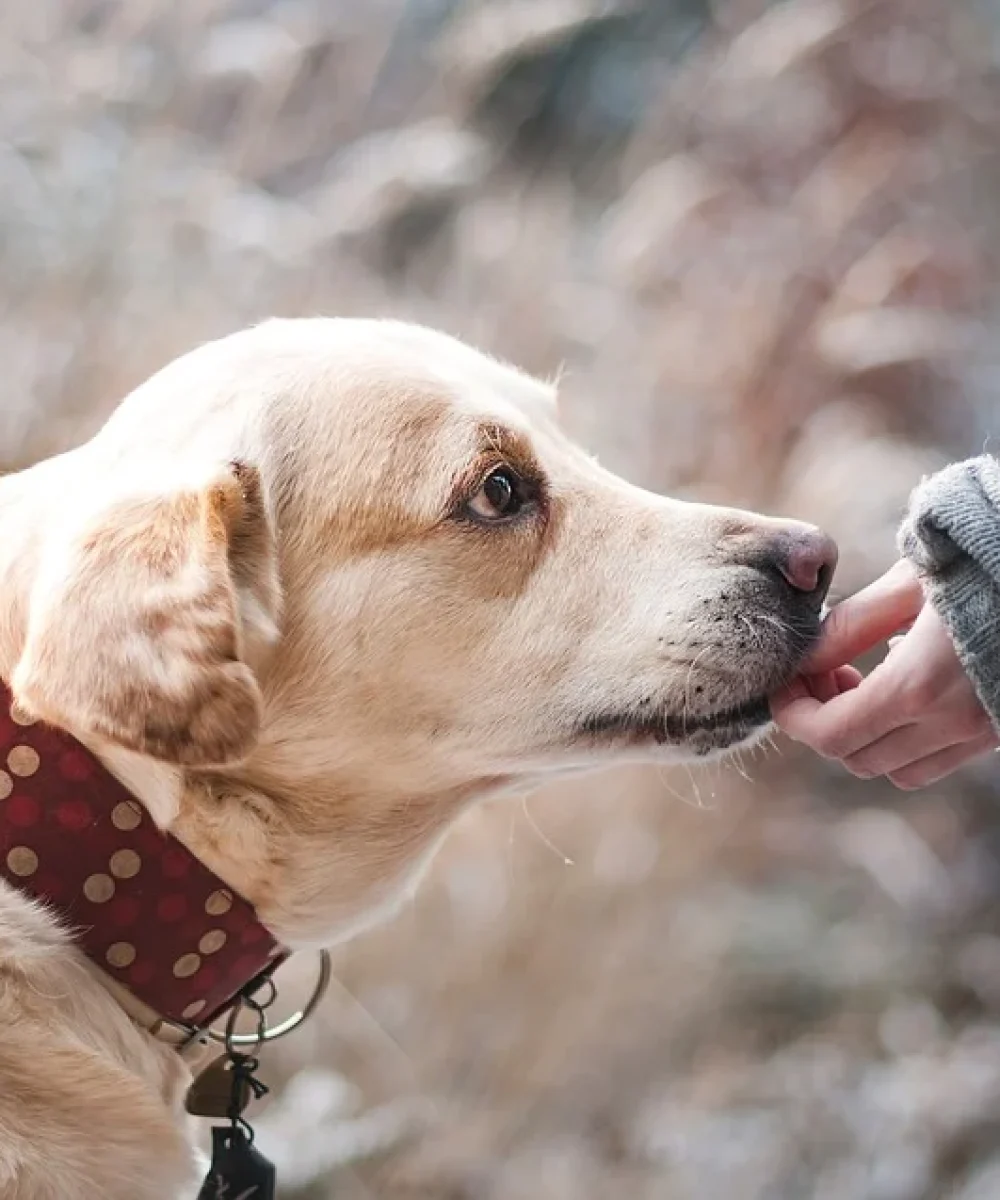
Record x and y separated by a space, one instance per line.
272 595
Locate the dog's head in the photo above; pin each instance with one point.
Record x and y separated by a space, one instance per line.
358 562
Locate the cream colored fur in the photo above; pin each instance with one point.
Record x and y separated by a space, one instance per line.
259 596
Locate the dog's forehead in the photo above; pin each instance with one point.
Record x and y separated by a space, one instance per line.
380 388
402 366
310 398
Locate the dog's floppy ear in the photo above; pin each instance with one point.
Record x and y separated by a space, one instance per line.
138 625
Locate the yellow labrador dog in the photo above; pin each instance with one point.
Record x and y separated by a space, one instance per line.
313 590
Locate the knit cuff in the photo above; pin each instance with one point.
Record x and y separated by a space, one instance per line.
952 536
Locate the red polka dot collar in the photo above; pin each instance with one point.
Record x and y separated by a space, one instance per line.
139 904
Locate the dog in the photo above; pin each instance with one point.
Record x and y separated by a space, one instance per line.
313 590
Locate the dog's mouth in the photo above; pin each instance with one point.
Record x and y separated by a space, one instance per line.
739 680
699 733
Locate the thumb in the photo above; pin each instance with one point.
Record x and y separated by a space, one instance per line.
868 618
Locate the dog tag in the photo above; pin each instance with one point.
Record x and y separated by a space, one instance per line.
217 1089
239 1171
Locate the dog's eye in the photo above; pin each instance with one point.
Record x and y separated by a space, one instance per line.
503 494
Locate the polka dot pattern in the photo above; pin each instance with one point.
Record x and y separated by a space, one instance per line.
74 814
144 908
126 815
23 811
20 716
23 761
172 907
212 942
125 864
186 965
120 954
98 888
22 861
219 902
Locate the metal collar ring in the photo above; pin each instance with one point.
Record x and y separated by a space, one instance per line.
225 1037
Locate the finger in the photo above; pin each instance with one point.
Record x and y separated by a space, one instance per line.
848 678
823 687
936 767
795 689
842 726
867 618
898 750
831 684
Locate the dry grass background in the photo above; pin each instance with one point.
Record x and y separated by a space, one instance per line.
759 242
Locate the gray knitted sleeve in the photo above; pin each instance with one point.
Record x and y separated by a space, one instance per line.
952 535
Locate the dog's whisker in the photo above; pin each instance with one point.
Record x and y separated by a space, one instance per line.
510 847
687 685
737 762
687 801
545 840
694 787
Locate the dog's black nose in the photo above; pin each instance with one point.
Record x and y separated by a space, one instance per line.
806 557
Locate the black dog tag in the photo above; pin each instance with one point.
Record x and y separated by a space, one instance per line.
239 1171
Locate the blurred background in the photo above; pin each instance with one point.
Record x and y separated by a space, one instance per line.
759 243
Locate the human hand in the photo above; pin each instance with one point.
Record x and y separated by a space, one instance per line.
916 718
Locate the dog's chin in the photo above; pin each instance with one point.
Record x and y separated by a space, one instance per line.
694 735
